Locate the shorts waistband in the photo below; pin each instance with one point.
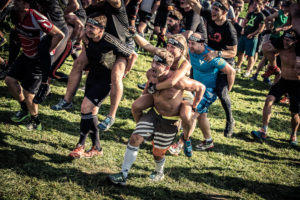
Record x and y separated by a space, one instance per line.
175 118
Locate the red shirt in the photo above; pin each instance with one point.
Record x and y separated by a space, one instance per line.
31 30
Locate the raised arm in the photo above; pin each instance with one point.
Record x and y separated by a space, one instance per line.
195 4
142 42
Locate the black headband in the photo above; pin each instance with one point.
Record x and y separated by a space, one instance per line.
95 22
176 43
220 5
160 60
173 16
196 39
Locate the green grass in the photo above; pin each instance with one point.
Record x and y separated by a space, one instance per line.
35 165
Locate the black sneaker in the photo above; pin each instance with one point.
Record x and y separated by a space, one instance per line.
142 86
20 116
229 128
32 125
43 92
62 105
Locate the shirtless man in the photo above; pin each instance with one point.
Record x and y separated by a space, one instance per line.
160 124
288 83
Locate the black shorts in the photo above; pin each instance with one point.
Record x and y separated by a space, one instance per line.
96 90
292 87
28 72
277 42
144 16
161 18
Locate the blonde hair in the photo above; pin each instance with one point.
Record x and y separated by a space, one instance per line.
180 38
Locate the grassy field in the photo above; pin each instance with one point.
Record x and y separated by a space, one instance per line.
35 165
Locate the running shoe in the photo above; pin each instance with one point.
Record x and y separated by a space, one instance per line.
254 77
268 81
43 92
78 152
62 105
187 148
20 116
142 86
293 140
61 77
106 123
259 135
238 70
246 74
175 149
156 176
204 145
93 152
229 128
32 125
270 71
117 179
285 100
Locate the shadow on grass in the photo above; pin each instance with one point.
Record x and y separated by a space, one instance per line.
22 161
265 190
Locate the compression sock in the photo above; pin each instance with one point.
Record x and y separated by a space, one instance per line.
160 165
36 119
129 158
86 120
23 105
94 130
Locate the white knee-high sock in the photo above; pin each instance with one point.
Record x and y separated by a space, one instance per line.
129 158
160 165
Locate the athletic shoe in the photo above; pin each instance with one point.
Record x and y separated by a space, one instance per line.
20 116
238 70
78 152
62 105
175 149
43 92
93 152
117 179
205 145
293 140
259 135
270 71
285 100
142 86
187 148
32 125
156 176
106 123
61 77
268 81
254 77
246 74
229 128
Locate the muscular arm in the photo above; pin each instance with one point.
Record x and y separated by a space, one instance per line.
73 5
230 52
57 36
193 86
195 4
176 76
230 72
142 42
